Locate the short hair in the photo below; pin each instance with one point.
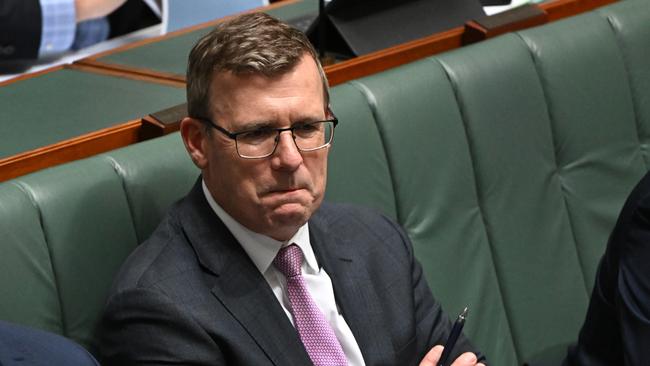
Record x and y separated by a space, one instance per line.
253 43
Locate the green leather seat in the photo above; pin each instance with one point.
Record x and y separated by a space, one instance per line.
431 170
75 230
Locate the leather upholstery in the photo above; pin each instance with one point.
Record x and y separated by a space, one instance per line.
153 175
85 220
358 171
27 283
507 163
433 179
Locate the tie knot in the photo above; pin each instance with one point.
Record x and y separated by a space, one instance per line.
289 260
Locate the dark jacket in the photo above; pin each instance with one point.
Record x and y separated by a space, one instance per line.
191 295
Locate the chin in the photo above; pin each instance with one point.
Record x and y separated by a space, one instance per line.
283 227
291 216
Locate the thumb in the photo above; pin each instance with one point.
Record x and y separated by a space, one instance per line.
466 359
432 357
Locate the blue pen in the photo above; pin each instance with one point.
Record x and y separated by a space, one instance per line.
453 337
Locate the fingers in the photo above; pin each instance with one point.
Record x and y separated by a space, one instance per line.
466 359
432 357
90 9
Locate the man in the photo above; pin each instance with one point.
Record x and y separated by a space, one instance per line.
250 268
617 327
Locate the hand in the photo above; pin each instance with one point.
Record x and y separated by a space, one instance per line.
90 9
432 358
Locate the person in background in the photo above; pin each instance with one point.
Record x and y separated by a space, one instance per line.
251 267
33 29
616 330
24 346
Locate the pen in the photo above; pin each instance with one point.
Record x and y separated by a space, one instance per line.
453 337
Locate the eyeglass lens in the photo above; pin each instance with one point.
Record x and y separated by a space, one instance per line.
262 142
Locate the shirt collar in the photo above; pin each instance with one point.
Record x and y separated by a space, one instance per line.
260 248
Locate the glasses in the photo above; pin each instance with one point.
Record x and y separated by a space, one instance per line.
261 142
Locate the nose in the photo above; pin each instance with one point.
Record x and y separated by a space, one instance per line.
286 156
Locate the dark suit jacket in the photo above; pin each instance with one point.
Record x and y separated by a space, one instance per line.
20 345
20 29
190 294
617 327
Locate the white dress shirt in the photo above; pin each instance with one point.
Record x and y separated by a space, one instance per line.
262 251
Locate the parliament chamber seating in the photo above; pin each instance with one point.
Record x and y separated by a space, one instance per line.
507 163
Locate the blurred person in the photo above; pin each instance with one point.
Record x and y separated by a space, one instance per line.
33 29
616 330
25 346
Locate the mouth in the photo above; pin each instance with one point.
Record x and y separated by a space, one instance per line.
285 190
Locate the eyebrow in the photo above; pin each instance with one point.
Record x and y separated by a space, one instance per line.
250 126
254 125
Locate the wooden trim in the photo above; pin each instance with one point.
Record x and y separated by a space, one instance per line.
394 56
32 75
522 17
73 149
163 122
559 9
127 72
151 128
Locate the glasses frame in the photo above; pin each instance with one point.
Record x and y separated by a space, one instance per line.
233 135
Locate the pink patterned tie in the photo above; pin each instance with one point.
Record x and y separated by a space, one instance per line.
315 332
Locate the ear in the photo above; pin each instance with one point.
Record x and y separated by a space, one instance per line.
195 140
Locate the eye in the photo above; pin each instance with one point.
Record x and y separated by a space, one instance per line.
257 136
307 129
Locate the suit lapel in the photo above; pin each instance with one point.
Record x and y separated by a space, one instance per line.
238 285
354 292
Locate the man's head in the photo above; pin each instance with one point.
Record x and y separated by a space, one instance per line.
248 44
254 73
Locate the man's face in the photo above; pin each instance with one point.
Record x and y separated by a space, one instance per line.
278 194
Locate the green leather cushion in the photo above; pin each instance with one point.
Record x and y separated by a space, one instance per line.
592 116
431 170
28 288
357 167
155 174
85 221
629 20
521 201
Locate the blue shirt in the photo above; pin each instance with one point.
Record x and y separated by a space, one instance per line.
60 31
